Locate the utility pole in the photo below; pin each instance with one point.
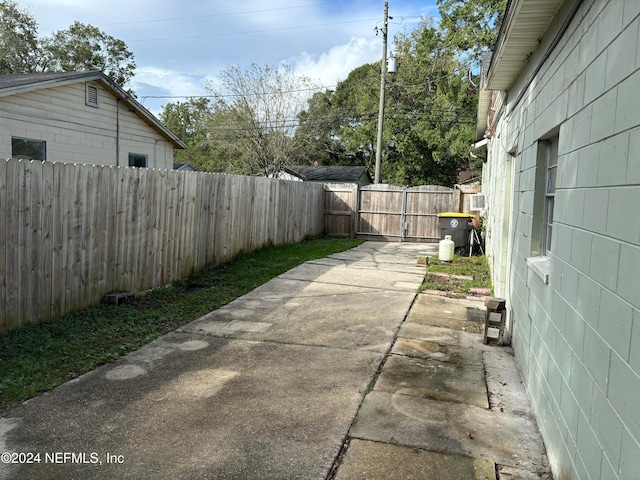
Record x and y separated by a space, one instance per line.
383 79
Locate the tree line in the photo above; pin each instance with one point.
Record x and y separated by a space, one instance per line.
261 118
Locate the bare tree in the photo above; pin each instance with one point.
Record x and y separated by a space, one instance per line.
256 115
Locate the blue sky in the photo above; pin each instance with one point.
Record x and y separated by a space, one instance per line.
179 44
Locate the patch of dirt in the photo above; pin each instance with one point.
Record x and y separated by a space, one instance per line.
446 283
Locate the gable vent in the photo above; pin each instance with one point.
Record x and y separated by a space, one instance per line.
91 95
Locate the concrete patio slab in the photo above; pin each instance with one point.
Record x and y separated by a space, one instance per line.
381 461
431 350
452 428
441 335
438 312
433 379
355 275
320 314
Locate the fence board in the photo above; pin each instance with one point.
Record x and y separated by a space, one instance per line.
46 241
4 238
15 174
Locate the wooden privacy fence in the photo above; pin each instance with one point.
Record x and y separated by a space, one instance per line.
387 212
70 233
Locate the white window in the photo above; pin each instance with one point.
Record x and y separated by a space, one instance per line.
28 149
91 94
552 168
544 196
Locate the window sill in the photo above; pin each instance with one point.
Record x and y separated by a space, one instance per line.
540 266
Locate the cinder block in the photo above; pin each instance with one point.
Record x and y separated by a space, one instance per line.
569 410
595 78
561 242
630 454
615 322
614 152
634 356
588 302
588 447
602 124
621 59
581 384
624 392
604 261
607 470
582 124
628 285
576 95
569 283
606 425
574 331
628 103
588 161
118 297
596 205
596 357
633 162
563 357
568 170
609 23
622 214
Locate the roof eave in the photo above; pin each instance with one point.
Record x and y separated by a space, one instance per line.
524 25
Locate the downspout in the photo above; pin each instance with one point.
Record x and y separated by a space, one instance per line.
118 132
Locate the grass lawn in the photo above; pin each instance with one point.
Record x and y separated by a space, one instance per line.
36 358
444 276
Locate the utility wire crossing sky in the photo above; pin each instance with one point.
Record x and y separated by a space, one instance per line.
181 44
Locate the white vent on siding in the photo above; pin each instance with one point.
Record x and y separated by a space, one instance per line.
477 202
91 95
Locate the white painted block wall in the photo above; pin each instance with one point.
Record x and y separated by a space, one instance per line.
577 338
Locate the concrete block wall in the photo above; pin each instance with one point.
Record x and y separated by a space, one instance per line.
577 336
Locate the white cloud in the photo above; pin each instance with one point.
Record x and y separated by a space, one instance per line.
170 82
335 65
150 82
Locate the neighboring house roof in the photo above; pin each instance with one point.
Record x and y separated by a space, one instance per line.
184 167
327 173
15 84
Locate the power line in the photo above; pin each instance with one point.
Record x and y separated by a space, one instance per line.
251 32
213 15
465 119
318 88
230 95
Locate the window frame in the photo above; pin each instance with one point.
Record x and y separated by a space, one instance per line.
138 156
550 192
546 169
43 147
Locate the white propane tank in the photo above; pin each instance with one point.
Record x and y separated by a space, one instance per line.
445 249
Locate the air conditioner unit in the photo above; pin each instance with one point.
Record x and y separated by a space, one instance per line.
477 202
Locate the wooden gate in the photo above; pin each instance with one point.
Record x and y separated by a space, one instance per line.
340 206
386 212
404 214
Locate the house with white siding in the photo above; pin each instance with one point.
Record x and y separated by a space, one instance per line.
559 113
80 117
